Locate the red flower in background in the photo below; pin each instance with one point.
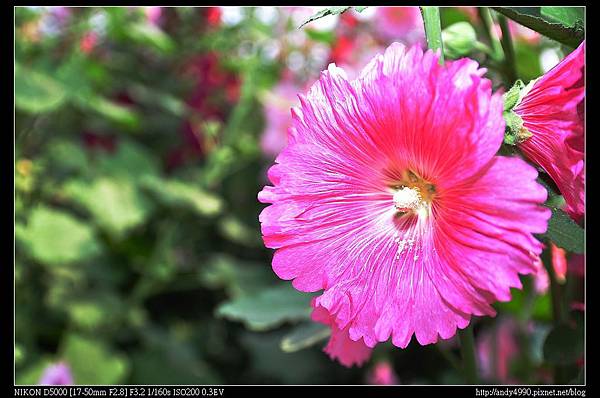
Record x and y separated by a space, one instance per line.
213 16
88 42
215 91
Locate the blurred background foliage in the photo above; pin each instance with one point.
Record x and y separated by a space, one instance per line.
140 149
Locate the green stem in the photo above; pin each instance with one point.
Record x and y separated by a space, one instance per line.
433 29
509 49
467 349
488 23
450 357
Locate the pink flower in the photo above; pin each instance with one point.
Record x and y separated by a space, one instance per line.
56 374
278 118
389 197
400 23
383 374
550 113
559 262
496 348
340 346
153 14
541 279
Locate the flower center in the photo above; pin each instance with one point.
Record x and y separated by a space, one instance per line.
407 199
412 193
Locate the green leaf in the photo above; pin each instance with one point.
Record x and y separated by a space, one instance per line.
115 204
178 193
67 155
131 161
110 110
32 374
304 335
36 92
159 366
324 13
236 231
238 278
533 18
565 232
267 309
92 362
54 237
150 35
327 37
568 16
563 345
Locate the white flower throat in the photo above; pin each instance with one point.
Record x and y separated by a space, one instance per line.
407 199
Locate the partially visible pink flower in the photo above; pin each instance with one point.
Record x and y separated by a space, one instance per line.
541 279
383 374
340 346
390 197
57 374
403 24
470 12
153 14
559 262
550 113
277 106
496 349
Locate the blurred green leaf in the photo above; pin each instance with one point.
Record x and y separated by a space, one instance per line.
533 18
36 92
301 367
565 232
87 315
67 155
115 204
528 61
111 110
327 37
92 362
236 231
154 366
304 335
267 309
131 161
563 345
54 237
33 374
152 36
238 277
178 193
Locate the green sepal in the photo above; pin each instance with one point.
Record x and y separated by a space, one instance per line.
513 96
515 132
